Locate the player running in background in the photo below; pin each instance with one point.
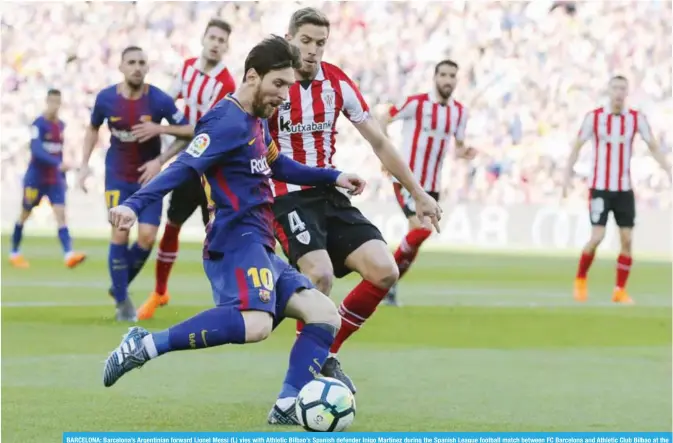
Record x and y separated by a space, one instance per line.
201 83
128 107
430 120
612 129
253 288
46 177
320 231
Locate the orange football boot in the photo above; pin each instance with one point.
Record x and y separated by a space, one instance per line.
619 295
581 292
17 261
154 301
74 259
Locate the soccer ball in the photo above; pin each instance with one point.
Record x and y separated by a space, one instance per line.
325 405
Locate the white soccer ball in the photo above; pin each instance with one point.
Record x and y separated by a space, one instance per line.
325 405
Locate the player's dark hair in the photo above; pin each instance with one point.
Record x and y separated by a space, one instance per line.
619 77
446 62
307 16
52 91
271 54
130 49
219 24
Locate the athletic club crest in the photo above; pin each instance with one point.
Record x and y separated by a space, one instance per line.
328 98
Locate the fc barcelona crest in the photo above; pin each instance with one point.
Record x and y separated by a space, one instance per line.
264 295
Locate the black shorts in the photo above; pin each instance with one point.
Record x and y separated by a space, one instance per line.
622 204
406 202
321 218
184 201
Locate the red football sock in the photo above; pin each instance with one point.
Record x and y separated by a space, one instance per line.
585 263
408 249
355 309
623 269
168 252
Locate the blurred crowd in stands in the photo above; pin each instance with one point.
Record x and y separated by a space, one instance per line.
529 71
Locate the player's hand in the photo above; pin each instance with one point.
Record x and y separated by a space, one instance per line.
467 153
122 217
64 167
82 175
149 170
426 206
354 183
146 130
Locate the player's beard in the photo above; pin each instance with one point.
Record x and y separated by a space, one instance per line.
259 109
444 93
135 85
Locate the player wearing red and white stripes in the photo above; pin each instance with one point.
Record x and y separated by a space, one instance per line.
201 83
430 120
320 231
612 129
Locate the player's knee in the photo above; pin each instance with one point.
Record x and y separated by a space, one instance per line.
25 214
258 325
119 237
382 272
319 309
59 215
625 240
322 277
597 235
146 238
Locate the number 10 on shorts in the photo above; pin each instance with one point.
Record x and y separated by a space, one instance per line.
261 278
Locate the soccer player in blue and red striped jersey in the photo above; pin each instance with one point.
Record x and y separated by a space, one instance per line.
253 288
46 177
133 110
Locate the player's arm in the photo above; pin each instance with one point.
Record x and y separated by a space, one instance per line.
91 138
37 149
289 171
207 148
400 111
652 144
462 150
356 110
582 137
178 126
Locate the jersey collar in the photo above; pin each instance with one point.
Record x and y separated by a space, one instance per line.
213 72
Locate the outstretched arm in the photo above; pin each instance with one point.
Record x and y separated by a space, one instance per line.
169 179
289 171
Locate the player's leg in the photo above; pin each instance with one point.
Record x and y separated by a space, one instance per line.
625 215
243 314
56 196
408 249
296 299
118 266
182 204
598 215
148 226
357 245
300 227
31 197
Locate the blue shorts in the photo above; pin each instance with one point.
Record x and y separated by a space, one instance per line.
33 192
118 191
254 278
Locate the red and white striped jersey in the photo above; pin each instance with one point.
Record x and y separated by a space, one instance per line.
427 129
200 90
613 136
304 126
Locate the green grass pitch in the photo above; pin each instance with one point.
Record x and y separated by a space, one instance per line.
482 343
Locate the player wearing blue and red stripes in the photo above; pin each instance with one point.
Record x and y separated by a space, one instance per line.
133 110
253 288
45 177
